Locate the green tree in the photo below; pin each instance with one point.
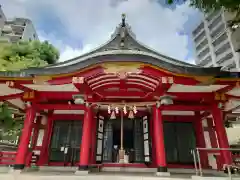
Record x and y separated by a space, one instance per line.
232 6
15 57
25 54
10 127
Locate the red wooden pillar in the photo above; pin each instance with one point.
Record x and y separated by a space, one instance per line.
24 139
46 140
159 140
221 134
200 139
86 140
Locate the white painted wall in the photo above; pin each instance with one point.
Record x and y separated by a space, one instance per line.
233 134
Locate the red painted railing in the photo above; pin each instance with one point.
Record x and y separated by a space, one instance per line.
7 157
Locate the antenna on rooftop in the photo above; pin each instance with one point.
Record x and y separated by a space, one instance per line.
123 20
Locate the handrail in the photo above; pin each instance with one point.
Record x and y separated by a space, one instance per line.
197 160
194 160
229 166
226 149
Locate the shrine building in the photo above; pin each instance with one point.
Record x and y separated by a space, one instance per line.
122 105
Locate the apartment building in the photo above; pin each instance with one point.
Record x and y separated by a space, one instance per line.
213 42
2 18
18 29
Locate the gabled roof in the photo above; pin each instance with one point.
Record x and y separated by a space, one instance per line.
123 39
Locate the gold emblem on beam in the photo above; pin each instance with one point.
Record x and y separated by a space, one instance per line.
205 80
220 97
77 80
167 80
122 69
41 80
10 83
238 84
29 95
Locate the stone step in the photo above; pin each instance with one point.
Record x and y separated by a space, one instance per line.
100 176
132 170
117 172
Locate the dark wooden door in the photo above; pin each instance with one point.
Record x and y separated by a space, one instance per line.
65 141
179 139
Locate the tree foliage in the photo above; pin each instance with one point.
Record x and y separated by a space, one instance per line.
10 127
25 54
232 6
15 57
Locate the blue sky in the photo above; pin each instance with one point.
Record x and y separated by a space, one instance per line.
77 26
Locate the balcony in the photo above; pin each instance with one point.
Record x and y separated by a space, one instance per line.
18 29
221 44
13 37
17 22
204 57
204 62
201 41
224 57
220 39
198 31
212 16
218 32
200 37
7 29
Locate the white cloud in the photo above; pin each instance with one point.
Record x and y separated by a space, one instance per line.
93 21
69 52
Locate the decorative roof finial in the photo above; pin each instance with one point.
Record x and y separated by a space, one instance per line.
123 20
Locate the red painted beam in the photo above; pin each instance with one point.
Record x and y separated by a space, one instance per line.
123 82
55 95
87 91
205 114
220 81
122 93
233 97
137 86
60 106
154 73
21 87
177 79
122 85
226 89
68 95
68 117
95 71
10 96
185 108
159 91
